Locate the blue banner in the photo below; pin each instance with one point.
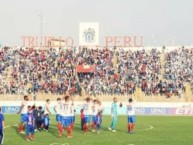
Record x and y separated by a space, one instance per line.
10 109
121 110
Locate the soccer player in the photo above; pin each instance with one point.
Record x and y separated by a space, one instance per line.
47 112
30 125
23 111
114 113
46 122
66 120
2 126
131 116
98 121
100 107
58 111
95 110
47 107
39 118
87 111
35 114
82 119
72 115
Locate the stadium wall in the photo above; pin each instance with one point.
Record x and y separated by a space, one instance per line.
152 108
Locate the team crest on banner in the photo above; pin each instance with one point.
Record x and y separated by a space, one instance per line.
89 34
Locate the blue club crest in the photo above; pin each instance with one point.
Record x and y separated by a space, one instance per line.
89 35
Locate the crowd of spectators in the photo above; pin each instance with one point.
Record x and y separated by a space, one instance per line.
117 71
179 69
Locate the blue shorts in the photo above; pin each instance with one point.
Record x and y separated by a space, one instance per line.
72 119
131 119
94 119
66 121
23 118
29 129
86 119
58 118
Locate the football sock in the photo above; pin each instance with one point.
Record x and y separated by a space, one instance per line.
20 128
85 128
128 126
69 131
132 126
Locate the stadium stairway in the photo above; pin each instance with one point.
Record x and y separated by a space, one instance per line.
188 96
162 61
9 72
114 62
139 95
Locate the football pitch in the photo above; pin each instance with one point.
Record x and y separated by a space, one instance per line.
150 130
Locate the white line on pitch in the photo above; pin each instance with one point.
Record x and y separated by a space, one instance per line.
146 129
10 126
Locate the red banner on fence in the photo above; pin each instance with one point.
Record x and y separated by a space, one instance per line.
85 68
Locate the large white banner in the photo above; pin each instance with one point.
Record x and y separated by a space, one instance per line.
89 34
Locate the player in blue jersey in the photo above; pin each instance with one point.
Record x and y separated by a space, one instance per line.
30 125
39 118
2 126
98 121
114 113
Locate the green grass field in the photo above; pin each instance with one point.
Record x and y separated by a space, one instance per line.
166 131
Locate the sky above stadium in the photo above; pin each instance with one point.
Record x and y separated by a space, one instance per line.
160 22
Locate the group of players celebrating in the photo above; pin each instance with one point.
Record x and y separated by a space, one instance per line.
36 119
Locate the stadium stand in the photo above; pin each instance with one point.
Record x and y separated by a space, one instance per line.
148 75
